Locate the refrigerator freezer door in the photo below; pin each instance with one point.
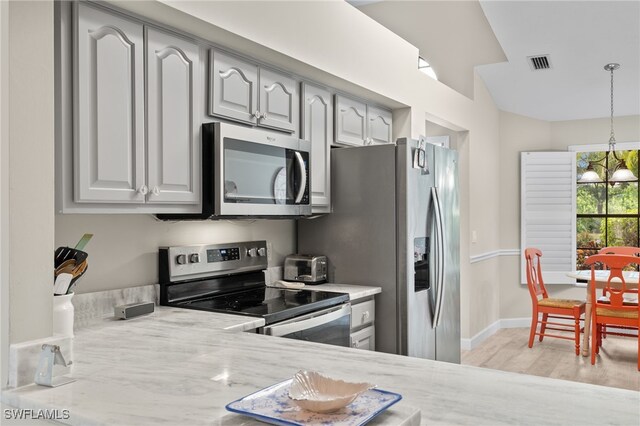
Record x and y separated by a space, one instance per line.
448 328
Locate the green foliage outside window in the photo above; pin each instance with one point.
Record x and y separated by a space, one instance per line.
607 215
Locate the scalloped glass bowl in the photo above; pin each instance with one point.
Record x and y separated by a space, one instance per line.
312 391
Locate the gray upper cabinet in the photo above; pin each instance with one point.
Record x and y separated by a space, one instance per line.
358 123
317 125
378 125
242 91
173 90
108 108
351 121
278 104
233 85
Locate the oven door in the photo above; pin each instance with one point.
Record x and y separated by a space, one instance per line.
259 173
330 326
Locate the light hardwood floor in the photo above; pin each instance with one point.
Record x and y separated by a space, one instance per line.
507 350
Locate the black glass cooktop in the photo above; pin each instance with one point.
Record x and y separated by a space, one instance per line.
273 304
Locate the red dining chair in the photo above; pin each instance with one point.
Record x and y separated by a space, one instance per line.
615 311
629 251
549 307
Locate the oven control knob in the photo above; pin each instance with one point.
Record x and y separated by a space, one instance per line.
262 251
252 252
181 259
194 258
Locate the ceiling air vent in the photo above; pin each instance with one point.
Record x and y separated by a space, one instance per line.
539 62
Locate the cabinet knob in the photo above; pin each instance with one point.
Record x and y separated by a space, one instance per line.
264 115
143 190
365 315
155 191
355 344
257 114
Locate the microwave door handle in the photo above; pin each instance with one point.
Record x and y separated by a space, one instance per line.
303 174
306 323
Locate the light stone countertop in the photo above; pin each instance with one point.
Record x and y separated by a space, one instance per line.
175 368
355 291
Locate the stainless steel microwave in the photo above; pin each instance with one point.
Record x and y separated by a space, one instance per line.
251 172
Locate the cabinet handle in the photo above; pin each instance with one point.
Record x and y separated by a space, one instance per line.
264 115
257 115
365 315
355 344
143 190
155 191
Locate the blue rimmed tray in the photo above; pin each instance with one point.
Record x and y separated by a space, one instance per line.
272 405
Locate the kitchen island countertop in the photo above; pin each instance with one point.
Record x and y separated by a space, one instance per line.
173 367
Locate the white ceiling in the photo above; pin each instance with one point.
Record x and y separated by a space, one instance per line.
453 36
580 37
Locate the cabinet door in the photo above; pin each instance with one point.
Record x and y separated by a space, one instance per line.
317 125
364 339
351 125
278 101
109 109
379 125
173 90
233 85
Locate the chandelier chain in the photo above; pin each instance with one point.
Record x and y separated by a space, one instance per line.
612 138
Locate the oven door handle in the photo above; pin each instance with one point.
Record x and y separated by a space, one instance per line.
303 177
308 321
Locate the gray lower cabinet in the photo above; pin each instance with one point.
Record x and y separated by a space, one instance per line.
363 313
317 126
109 108
242 91
115 165
358 123
173 148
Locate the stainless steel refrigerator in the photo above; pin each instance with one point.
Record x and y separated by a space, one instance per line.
395 224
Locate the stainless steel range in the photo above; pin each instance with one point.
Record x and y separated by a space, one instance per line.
229 278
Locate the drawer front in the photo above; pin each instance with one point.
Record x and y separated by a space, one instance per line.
363 313
364 339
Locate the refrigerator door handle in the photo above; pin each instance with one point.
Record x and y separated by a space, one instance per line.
440 252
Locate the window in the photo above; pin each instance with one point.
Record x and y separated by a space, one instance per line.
424 66
606 215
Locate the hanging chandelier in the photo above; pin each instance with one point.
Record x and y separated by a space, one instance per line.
620 171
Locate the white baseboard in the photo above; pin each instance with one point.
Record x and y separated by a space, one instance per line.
491 329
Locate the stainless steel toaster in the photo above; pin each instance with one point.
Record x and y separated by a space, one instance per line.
305 268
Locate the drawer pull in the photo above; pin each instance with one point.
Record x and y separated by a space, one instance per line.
365 315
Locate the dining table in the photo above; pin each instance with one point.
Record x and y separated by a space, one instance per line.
601 278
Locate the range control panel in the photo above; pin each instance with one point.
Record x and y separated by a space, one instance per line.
185 262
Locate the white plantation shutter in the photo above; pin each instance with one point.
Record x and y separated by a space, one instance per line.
548 212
